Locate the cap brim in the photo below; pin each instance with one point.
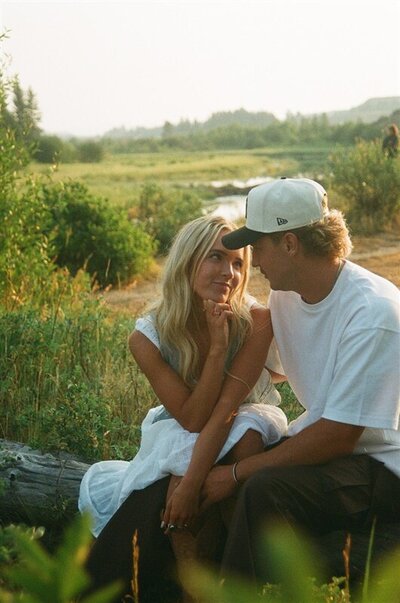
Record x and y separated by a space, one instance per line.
241 237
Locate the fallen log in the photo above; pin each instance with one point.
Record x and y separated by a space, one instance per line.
42 489
38 488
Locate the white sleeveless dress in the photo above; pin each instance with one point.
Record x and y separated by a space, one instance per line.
166 447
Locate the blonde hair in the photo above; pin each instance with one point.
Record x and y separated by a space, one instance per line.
328 237
179 303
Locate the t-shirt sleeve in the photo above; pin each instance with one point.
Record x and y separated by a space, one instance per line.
365 389
146 326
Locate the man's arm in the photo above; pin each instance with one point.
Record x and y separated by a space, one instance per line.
318 443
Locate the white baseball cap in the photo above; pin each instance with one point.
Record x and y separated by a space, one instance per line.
279 205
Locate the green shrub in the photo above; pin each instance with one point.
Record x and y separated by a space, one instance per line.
90 151
49 149
370 181
25 263
165 212
39 577
87 232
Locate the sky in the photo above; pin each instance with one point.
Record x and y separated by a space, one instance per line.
94 66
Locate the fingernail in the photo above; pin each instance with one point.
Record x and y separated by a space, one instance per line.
162 525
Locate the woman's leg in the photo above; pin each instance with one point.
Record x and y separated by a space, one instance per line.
111 557
251 443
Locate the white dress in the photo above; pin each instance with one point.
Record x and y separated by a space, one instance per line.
166 447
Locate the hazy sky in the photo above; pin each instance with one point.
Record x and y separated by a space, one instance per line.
98 65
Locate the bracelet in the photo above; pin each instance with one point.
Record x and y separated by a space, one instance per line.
234 475
238 379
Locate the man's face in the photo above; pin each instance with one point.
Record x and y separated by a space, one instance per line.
274 262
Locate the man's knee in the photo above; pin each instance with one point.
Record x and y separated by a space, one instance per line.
268 490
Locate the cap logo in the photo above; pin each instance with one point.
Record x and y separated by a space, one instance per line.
281 221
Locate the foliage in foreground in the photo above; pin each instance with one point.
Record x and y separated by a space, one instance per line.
370 182
29 574
297 579
35 576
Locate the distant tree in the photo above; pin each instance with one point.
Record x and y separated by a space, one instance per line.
168 130
90 151
49 149
25 115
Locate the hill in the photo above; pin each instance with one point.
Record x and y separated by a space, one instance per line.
368 112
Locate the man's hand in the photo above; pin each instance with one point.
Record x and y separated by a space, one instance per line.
218 485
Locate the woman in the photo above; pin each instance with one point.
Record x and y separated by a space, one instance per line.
203 349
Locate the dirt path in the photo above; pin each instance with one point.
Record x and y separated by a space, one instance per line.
380 254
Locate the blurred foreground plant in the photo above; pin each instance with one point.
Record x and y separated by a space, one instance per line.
38 577
295 567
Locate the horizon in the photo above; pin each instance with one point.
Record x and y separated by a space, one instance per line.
99 66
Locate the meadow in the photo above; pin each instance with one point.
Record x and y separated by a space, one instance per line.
120 177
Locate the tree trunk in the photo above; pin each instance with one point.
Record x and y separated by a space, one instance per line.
36 488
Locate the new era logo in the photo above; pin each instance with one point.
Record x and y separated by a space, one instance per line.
281 221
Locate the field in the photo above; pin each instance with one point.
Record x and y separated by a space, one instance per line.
120 177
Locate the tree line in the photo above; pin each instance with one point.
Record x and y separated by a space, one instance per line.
19 112
237 130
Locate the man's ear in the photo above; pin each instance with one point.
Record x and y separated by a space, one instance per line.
290 243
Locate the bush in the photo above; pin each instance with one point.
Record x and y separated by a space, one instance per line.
165 212
24 249
87 232
90 152
49 149
370 181
36 576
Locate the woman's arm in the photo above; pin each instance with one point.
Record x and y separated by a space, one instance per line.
246 368
191 408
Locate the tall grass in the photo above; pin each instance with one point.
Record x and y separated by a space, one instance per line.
67 380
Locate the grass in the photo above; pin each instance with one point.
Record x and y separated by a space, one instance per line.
120 177
68 382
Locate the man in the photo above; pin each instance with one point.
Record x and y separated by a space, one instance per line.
390 144
336 326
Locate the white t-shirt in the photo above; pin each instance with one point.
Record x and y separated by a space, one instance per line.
342 358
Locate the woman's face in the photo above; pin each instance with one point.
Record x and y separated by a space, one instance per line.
220 272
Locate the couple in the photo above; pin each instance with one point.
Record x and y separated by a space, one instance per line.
203 349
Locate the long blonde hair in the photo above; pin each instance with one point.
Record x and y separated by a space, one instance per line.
178 303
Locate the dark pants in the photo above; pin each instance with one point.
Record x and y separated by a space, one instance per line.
344 494
111 557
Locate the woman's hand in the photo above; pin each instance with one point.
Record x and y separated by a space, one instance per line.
182 507
217 317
